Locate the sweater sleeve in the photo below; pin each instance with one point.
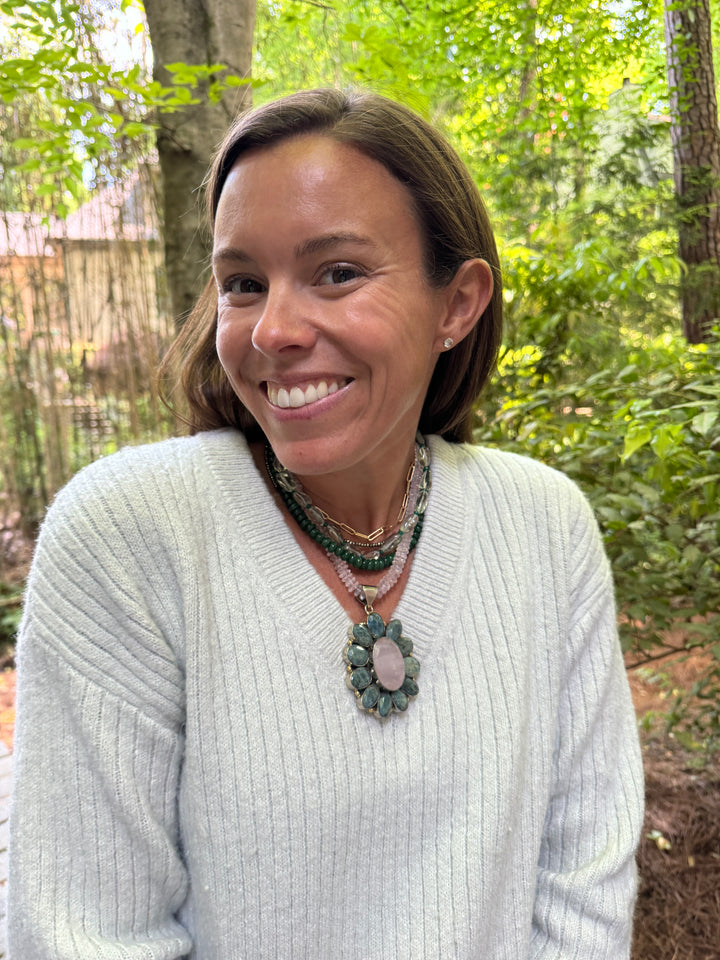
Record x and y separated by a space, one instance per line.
95 867
586 879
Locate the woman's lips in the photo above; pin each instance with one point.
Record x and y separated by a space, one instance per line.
297 396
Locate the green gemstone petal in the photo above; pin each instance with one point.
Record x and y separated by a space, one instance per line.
370 697
405 644
362 635
376 625
361 678
384 704
399 699
357 655
412 667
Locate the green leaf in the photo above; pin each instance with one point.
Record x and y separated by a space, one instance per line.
692 554
704 422
651 494
636 437
674 532
25 143
134 129
711 390
665 439
686 739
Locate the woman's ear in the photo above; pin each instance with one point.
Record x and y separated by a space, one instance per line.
468 294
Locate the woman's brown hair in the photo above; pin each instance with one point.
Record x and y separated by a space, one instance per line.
452 218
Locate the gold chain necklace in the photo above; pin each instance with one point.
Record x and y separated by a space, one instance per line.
366 538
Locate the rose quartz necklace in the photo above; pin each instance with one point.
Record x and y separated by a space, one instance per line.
380 668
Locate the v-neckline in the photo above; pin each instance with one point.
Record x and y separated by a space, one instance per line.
262 528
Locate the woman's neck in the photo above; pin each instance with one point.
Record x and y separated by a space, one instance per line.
365 500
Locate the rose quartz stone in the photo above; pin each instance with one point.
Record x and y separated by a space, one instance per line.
388 663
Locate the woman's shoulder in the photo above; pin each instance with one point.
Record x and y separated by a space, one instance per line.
167 459
517 491
148 476
179 454
531 507
504 470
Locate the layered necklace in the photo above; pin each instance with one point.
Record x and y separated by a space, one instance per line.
380 668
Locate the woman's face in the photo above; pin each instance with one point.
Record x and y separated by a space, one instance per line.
327 328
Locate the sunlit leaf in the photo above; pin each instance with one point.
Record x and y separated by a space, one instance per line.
704 422
636 437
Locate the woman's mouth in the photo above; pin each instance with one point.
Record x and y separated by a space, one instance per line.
302 396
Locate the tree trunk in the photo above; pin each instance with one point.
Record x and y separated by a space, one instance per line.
195 32
696 157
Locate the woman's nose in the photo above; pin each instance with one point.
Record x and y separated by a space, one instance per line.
285 324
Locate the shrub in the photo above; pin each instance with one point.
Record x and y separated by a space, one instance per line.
642 438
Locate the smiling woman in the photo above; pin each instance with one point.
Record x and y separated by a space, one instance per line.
195 605
321 280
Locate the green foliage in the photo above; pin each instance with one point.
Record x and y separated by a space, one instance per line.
10 614
642 438
575 175
85 110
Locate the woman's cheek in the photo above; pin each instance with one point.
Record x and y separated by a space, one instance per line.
229 337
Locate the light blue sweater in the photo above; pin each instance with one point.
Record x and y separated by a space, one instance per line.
193 778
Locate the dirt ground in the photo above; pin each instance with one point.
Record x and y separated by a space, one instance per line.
7 707
678 910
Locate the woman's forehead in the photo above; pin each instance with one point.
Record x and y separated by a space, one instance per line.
313 159
317 186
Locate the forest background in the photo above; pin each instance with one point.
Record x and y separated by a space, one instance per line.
570 115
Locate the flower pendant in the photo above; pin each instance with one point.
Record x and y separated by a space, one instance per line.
381 670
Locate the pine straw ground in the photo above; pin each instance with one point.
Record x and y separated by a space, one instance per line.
678 910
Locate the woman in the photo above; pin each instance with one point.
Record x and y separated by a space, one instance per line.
193 776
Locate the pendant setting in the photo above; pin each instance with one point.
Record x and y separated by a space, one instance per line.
381 671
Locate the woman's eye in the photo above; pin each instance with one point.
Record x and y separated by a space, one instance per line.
339 273
242 285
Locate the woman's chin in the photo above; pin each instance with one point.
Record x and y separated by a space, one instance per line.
314 456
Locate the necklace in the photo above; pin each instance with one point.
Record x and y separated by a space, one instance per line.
370 538
380 668
329 536
381 671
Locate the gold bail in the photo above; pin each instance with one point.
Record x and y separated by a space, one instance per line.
369 593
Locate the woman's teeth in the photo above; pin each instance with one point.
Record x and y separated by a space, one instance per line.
297 397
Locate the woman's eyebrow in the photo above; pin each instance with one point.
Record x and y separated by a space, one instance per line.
315 244
231 253
307 247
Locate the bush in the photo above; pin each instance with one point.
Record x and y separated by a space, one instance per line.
10 613
642 438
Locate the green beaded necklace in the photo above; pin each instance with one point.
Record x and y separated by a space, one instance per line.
381 669
329 537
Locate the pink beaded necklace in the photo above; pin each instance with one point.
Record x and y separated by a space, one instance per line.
380 668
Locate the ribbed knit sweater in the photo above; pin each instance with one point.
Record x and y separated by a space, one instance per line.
193 778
